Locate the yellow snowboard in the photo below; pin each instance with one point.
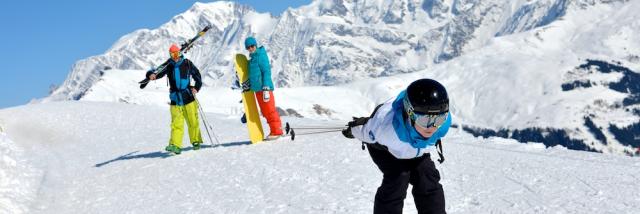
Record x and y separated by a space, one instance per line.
249 101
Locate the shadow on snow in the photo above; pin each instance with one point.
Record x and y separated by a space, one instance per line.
162 154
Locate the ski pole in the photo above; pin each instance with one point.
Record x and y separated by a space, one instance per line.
318 127
209 127
291 130
289 127
311 127
293 133
206 124
318 132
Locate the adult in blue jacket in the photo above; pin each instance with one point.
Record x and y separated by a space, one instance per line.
399 135
260 82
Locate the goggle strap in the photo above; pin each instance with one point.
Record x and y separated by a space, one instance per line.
409 108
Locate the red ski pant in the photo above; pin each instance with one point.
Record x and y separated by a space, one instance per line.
270 113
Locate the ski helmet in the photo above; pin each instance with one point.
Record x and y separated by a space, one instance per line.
426 97
174 48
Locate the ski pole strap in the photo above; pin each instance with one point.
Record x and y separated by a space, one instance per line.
439 150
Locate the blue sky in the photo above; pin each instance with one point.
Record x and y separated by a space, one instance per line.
40 40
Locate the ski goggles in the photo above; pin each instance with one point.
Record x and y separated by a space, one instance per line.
250 46
428 121
424 120
174 54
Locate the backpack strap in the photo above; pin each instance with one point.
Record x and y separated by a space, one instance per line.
439 150
375 110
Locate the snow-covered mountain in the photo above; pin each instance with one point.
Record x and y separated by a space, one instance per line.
325 43
554 71
559 72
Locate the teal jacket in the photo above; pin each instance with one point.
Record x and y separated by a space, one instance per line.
260 70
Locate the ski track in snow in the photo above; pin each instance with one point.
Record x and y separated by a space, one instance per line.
93 157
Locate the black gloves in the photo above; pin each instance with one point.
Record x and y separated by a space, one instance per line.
246 86
347 133
357 121
149 73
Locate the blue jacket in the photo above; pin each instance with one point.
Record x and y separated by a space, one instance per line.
180 74
260 70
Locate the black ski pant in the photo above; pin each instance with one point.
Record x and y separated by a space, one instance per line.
420 172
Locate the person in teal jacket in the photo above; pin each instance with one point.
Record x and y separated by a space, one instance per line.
261 84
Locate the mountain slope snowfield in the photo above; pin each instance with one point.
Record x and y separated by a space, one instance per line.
530 82
552 71
96 157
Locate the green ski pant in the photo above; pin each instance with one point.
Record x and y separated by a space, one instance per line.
178 115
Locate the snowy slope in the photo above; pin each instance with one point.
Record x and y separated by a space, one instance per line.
97 157
529 70
18 178
571 82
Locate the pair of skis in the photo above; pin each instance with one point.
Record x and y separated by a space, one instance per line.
186 46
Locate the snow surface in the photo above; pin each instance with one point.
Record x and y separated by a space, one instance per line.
104 153
18 178
508 60
105 157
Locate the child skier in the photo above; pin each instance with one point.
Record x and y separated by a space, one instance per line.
398 135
